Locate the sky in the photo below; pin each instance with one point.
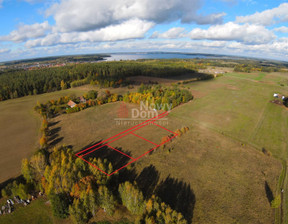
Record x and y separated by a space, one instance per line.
37 28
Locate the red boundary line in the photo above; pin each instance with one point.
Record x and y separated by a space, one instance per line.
120 152
93 165
144 139
158 117
92 150
163 128
156 147
115 139
131 132
121 168
142 155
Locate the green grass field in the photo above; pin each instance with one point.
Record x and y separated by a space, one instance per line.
241 110
231 119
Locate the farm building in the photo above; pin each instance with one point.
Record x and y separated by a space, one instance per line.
71 104
82 99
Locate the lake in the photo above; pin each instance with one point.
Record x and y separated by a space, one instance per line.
136 56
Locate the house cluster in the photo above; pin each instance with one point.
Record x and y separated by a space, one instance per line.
48 65
212 72
72 104
8 207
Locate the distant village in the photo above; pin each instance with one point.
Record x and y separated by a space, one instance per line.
47 63
37 66
32 66
215 72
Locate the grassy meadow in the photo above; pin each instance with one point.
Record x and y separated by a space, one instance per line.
217 166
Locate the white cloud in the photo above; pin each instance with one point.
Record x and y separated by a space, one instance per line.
4 51
276 49
25 32
1 1
210 19
282 29
214 44
175 32
249 34
84 15
267 17
93 25
131 29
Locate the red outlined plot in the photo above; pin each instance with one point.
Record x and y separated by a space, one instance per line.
143 138
110 145
134 145
153 133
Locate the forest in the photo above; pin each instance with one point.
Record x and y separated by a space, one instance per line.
21 83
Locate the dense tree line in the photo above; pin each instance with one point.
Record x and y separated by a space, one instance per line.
106 74
150 211
162 97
